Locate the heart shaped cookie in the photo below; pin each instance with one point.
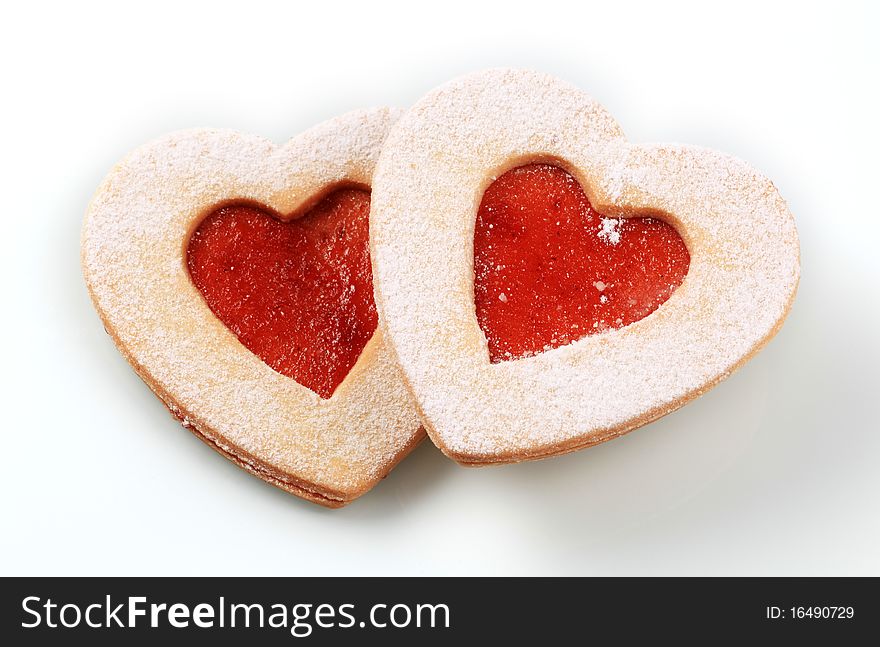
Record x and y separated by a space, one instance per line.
530 320
234 276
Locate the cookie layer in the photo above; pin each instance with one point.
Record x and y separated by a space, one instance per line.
429 183
134 243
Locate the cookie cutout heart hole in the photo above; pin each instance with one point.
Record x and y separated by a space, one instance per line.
549 269
296 290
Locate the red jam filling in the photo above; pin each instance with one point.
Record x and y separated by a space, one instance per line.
298 294
549 269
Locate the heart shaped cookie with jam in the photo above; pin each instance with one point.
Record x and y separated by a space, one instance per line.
235 277
548 285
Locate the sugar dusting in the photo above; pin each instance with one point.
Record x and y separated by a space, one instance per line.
133 244
609 230
437 162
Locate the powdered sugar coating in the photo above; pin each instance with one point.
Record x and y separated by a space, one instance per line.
609 230
133 254
428 184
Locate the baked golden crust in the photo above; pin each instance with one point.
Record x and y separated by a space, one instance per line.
428 184
134 241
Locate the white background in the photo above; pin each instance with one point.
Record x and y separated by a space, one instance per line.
776 471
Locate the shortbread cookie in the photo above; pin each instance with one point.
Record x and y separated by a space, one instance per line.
234 276
547 285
